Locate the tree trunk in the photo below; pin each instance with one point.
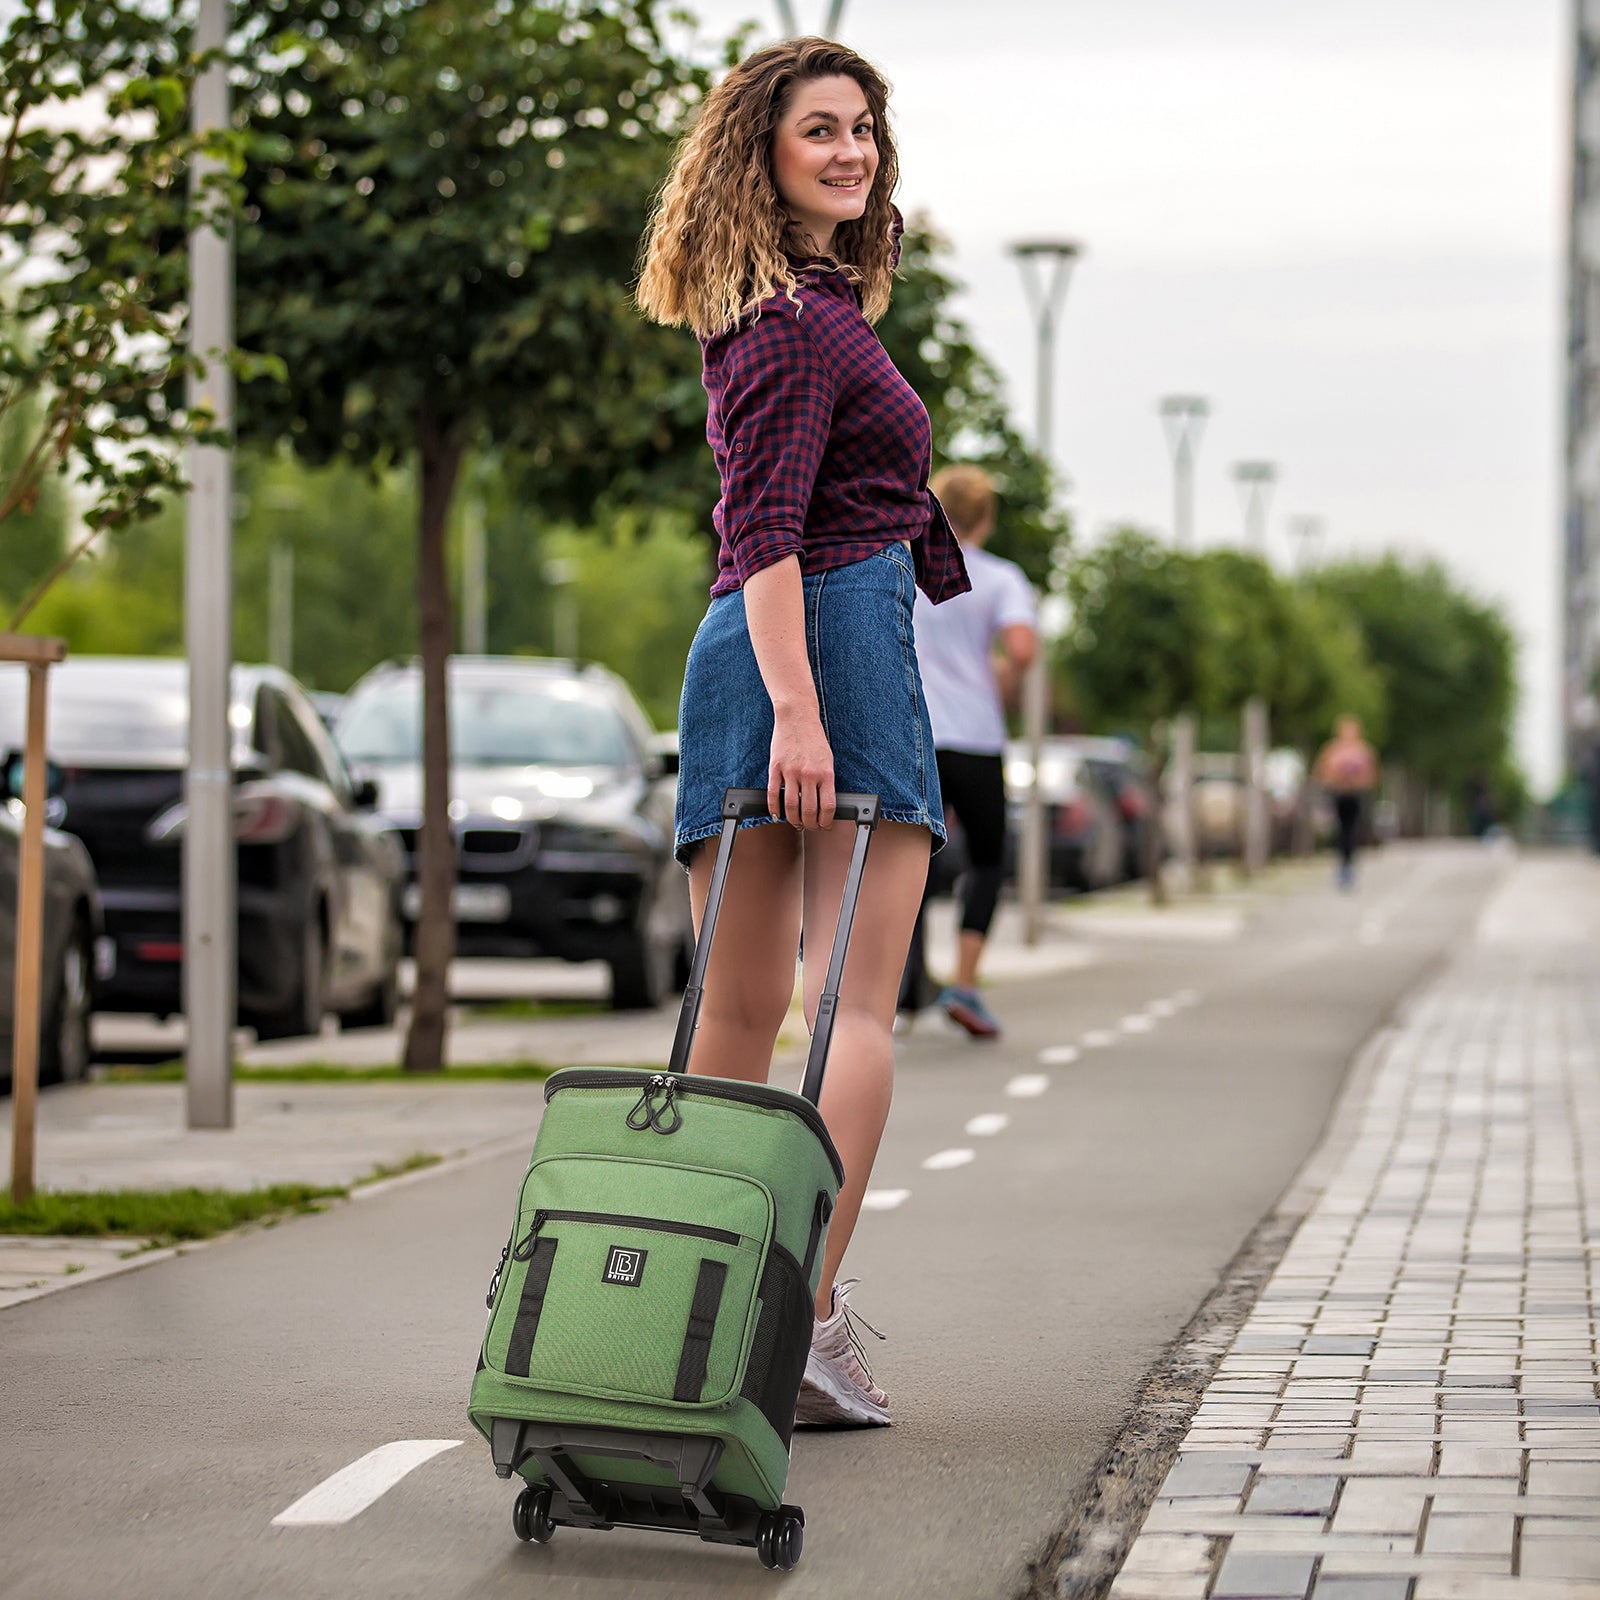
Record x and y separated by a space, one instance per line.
1155 834
439 450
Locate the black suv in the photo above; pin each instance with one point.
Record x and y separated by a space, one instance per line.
561 803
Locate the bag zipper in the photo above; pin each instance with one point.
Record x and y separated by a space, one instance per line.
499 1271
612 1219
754 1094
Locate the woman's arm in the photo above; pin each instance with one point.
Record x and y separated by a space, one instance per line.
801 764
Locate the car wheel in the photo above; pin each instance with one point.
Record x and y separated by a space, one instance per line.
302 1016
383 1005
641 973
65 1046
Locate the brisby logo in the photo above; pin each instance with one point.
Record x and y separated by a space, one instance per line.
624 1266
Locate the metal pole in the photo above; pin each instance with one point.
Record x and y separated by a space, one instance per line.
209 866
1184 418
280 605
1045 299
474 579
830 29
787 21
1307 535
1255 480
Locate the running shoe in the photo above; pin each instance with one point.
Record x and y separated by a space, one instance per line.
837 1390
966 1007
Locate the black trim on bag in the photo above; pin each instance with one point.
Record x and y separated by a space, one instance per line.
519 1353
702 1325
820 1214
753 1094
782 1342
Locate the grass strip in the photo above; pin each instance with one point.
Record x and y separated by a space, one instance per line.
531 1010
332 1072
162 1217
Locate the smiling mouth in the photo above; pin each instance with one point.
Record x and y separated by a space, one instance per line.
841 183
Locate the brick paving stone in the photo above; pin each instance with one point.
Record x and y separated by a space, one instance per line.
1423 1364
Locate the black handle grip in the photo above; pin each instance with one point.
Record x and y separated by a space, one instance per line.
858 808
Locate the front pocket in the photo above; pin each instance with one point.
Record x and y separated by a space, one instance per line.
651 1300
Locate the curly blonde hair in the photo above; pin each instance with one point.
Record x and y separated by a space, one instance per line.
720 239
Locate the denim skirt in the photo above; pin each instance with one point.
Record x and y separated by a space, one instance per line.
864 662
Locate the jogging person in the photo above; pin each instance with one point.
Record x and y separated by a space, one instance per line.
775 239
973 653
1347 769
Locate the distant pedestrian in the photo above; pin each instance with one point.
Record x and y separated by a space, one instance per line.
775 239
1347 769
973 652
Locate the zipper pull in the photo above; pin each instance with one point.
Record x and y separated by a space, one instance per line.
500 1267
669 1085
530 1241
643 1114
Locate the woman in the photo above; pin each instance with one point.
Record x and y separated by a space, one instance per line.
775 239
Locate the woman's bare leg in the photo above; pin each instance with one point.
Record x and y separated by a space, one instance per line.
860 1078
750 979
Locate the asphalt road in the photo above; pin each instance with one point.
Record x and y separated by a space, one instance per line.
152 1426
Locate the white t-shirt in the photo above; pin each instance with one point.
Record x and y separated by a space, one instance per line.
955 643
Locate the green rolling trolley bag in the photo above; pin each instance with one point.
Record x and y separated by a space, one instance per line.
652 1310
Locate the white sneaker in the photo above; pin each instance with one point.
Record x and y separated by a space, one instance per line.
837 1390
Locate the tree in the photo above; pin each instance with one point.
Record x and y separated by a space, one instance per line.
1136 649
94 198
440 251
1447 663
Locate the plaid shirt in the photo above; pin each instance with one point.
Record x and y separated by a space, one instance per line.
822 447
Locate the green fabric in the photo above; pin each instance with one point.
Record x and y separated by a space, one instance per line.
608 1344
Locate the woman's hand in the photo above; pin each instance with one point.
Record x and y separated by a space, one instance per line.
800 773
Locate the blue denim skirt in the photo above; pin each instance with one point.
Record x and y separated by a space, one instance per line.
864 661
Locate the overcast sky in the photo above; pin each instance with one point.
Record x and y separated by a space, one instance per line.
1340 220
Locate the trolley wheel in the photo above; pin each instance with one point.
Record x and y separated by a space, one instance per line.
764 1542
530 1516
788 1542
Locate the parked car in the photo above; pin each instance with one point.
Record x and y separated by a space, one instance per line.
319 881
74 946
1082 824
562 802
1116 765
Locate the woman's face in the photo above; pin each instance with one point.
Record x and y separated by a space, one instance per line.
824 156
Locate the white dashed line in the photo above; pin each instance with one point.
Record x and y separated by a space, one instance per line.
352 1489
1098 1039
1030 1085
1371 930
988 1124
1186 997
1136 1024
1161 1008
1058 1055
944 1160
884 1199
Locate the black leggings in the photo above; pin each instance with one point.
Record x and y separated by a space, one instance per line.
974 790
1347 810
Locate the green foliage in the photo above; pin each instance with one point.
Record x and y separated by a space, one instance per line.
447 228
98 206
1136 648
1446 660
35 535
933 349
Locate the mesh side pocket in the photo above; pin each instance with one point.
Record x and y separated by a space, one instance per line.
782 1342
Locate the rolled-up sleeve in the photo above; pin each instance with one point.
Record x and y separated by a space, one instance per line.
777 399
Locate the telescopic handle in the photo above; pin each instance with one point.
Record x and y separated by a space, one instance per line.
737 806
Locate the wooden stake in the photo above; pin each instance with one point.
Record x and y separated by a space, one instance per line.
38 654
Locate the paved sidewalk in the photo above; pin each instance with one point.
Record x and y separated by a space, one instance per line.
1411 1411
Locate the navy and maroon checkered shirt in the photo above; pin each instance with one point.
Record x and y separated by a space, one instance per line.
822 447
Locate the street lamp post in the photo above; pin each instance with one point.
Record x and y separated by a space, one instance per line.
790 24
1183 417
1306 532
1046 266
1255 480
210 971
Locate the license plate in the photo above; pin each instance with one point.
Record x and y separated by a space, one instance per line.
471 902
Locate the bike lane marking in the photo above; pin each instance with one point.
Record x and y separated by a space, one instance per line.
353 1488
1029 1086
945 1160
987 1123
884 1199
